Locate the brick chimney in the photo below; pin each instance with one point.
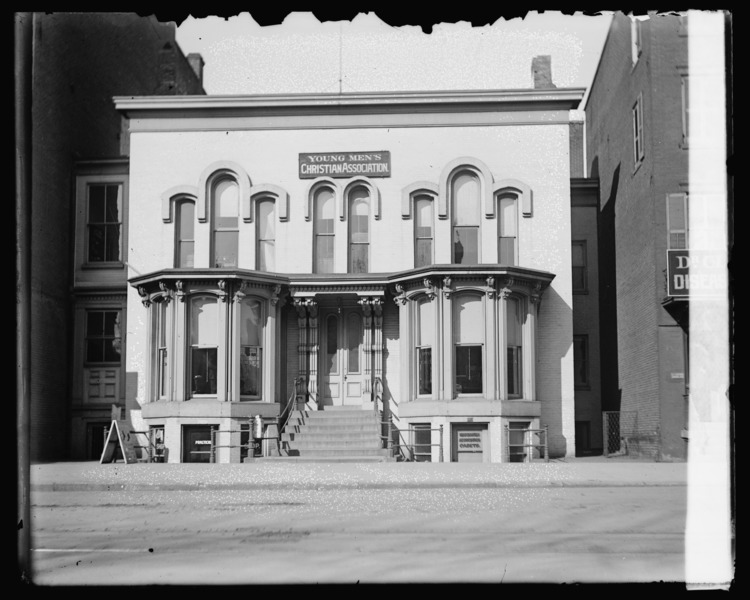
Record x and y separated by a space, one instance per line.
197 63
541 69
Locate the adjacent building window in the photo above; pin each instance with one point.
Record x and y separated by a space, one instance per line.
514 348
424 342
468 339
638 147
359 230
581 361
226 211
423 232
677 221
580 274
685 86
104 222
185 234
325 211
103 341
204 345
266 235
421 442
251 348
508 230
466 210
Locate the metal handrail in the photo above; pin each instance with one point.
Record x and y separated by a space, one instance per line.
440 444
291 406
542 446
248 446
151 447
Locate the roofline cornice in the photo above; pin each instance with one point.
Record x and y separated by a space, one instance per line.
439 101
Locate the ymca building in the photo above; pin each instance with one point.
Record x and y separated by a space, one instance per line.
405 253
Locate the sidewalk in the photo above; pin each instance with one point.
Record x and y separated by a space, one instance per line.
572 472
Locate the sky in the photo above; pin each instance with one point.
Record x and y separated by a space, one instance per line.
366 54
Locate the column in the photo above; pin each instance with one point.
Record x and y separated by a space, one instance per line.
271 362
312 386
447 391
405 345
302 349
502 363
490 336
529 339
366 304
377 306
178 356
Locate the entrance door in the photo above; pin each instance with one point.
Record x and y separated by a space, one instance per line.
196 443
342 360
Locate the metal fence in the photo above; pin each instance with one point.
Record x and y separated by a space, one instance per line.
618 427
526 445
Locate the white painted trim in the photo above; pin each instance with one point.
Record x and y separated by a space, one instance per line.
173 194
217 169
515 185
414 189
468 163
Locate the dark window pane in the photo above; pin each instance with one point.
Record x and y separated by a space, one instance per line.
468 369
514 371
203 370
96 204
94 351
110 320
424 253
112 350
579 279
94 323
96 243
425 370
324 254
466 245
331 346
358 258
113 242
113 204
354 339
225 248
507 250
251 362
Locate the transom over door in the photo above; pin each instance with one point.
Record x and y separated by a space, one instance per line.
342 360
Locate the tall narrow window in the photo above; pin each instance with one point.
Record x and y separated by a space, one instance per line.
638 148
160 328
185 234
581 361
226 204
331 366
204 345
251 348
325 211
425 338
580 274
423 219
266 236
685 87
677 221
359 230
103 336
468 339
514 334
508 230
104 222
466 215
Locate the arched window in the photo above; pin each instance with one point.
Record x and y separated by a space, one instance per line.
514 341
226 213
508 230
266 235
185 234
251 348
423 230
468 341
424 339
359 230
204 345
325 212
466 209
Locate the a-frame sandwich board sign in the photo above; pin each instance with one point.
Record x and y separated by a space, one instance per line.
119 444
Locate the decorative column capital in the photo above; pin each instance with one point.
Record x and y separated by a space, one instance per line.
275 294
145 299
431 291
505 293
239 294
400 297
447 289
491 291
223 290
180 290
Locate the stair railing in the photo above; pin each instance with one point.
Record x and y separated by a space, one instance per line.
291 406
377 401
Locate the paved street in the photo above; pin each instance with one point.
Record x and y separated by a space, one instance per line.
381 523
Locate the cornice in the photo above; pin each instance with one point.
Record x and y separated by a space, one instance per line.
419 101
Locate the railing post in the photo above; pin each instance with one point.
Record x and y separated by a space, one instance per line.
211 456
546 443
441 442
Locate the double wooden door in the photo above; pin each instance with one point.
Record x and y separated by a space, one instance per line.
342 358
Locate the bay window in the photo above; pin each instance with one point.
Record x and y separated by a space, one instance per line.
514 347
424 343
204 345
251 348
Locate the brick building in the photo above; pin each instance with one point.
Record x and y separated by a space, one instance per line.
78 62
637 138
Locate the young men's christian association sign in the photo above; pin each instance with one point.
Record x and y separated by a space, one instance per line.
345 164
704 279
